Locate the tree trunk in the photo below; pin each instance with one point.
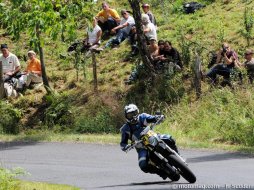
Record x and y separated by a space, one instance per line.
146 58
43 70
197 76
1 82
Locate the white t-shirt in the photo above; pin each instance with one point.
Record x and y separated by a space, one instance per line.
10 63
92 35
152 33
130 20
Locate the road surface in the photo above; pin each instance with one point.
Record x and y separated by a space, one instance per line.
106 167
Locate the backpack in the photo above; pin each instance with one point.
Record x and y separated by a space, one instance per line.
192 7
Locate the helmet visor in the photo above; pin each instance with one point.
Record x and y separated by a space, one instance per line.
131 115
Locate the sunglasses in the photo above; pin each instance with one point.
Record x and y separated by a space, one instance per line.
124 13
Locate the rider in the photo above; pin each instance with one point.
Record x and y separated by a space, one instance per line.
131 131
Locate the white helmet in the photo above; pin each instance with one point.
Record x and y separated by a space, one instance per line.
131 113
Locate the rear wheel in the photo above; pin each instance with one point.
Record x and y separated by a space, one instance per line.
182 168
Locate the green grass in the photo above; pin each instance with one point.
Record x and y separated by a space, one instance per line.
183 141
44 186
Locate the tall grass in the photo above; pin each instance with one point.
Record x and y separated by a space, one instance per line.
223 115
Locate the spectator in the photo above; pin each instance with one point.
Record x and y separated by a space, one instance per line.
123 30
146 9
32 73
11 66
226 61
161 47
249 64
153 49
93 37
134 41
107 18
149 28
171 54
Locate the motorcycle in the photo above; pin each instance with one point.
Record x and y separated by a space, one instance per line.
162 156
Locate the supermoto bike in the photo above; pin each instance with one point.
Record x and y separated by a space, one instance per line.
162 156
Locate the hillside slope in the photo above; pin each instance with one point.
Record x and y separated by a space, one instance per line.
76 108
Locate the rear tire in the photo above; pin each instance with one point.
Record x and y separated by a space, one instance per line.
185 172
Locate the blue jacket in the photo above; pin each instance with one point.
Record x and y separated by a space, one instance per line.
127 129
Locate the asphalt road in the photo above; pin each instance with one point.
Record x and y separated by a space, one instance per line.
91 166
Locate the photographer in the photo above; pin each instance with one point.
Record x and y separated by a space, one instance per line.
226 61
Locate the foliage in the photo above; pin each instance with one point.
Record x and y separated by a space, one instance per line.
10 118
58 112
222 115
248 23
7 179
101 122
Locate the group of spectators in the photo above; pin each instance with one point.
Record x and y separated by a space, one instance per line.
227 64
162 52
108 24
14 79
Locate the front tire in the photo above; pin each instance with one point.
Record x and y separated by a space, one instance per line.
185 172
174 176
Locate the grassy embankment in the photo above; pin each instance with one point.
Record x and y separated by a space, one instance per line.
221 118
8 181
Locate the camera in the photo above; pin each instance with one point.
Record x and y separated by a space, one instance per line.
224 49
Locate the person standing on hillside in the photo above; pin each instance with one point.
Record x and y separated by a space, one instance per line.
249 64
146 9
149 28
32 73
123 30
107 18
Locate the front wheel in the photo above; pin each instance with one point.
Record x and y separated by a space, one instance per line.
182 168
173 175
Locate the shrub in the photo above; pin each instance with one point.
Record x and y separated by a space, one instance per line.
59 112
7 179
101 122
10 117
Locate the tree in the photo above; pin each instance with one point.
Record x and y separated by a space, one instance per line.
40 19
146 58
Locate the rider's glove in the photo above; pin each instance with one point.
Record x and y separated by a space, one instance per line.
161 117
126 147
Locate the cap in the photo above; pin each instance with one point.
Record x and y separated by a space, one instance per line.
3 46
248 52
31 52
123 11
145 5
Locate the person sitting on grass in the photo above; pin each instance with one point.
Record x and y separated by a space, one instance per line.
226 61
11 67
123 30
32 73
107 18
93 37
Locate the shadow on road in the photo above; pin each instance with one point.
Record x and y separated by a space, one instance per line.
14 145
219 157
140 184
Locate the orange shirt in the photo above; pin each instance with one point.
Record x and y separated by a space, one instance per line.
34 65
